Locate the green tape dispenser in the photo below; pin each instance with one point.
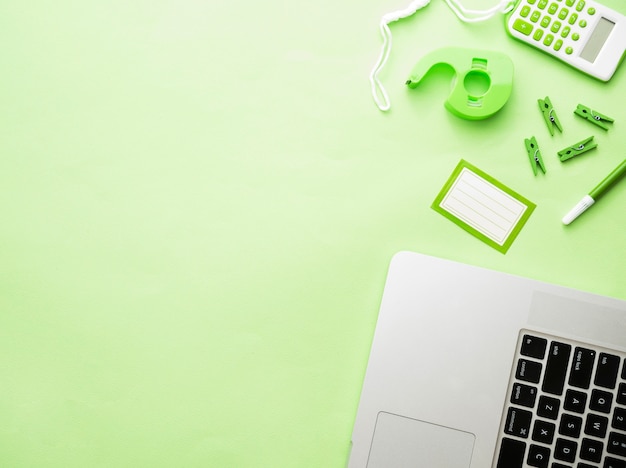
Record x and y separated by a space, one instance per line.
483 80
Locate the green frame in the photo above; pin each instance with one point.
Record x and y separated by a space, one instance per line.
503 248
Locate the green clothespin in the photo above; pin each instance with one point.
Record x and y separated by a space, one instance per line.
536 161
593 116
577 149
549 115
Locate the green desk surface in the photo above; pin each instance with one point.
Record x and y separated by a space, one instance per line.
199 201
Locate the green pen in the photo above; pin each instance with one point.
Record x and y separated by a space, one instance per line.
596 193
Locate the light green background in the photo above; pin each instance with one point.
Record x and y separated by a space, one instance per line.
199 201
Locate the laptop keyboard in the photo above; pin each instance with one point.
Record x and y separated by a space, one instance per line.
566 406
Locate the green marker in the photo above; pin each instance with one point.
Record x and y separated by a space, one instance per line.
596 193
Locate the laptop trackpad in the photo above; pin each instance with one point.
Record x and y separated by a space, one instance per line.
401 442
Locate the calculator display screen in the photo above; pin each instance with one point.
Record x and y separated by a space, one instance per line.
597 39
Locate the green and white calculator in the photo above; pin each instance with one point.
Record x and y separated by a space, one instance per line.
583 33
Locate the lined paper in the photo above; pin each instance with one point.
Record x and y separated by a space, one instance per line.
483 206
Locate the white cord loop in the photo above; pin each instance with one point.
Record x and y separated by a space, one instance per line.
378 90
476 16
381 98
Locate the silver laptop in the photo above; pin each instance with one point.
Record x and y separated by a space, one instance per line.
471 368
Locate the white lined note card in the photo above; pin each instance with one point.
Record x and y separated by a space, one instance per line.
483 206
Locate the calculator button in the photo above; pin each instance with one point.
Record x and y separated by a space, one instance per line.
580 5
555 27
523 27
583 23
538 34
531 2
569 51
570 2
572 19
575 36
565 32
548 40
553 8
535 16
525 11
558 44
591 11
563 13
542 4
545 22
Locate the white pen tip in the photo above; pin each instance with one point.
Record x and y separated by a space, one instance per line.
575 212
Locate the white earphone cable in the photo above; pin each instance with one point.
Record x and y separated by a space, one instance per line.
378 90
474 16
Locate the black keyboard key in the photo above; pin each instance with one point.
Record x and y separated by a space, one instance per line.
621 394
528 371
565 450
533 346
548 407
575 401
591 450
581 388
523 395
582 368
608 368
610 462
518 422
596 425
543 432
619 419
570 425
556 368
617 444
601 401
511 454
538 456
